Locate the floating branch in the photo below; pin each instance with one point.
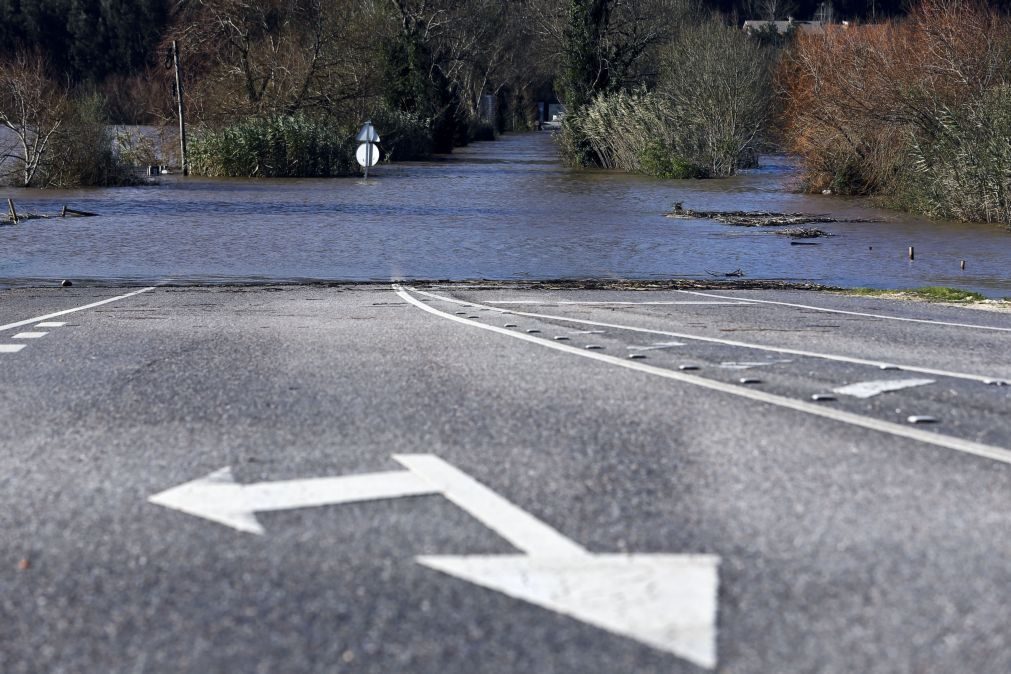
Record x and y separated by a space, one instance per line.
14 217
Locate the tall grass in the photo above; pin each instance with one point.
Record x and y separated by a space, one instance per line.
275 147
303 146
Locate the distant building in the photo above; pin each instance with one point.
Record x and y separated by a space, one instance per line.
783 27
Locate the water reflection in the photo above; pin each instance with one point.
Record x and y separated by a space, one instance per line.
502 210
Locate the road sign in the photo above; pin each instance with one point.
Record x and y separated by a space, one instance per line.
368 154
662 600
367 134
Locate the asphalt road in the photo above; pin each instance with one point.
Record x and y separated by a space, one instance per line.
849 539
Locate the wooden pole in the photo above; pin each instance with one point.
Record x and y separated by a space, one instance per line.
14 212
182 116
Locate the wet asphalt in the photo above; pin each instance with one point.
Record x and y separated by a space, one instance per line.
843 548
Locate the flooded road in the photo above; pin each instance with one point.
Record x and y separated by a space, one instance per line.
501 210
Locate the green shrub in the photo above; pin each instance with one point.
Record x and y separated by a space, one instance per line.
704 118
406 136
657 161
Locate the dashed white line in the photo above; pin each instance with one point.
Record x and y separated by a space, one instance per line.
11 348
936 439
851 313
30 335
750 364
50 325
57 314
730 342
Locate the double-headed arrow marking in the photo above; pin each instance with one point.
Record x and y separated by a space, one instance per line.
665 601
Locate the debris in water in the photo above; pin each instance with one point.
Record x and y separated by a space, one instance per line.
728 274
803 232
752 218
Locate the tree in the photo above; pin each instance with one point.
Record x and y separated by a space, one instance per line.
33 107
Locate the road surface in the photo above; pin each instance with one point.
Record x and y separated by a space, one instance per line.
456 479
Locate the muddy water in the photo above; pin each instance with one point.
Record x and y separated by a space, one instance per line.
501 210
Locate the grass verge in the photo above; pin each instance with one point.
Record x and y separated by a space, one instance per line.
928 293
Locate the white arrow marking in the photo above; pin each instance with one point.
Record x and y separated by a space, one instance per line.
219 498
517 526
869 389
665 601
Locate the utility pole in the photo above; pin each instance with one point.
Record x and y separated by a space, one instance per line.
182 116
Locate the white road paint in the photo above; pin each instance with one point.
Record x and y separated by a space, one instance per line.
656 345
50 324
30 335
11 348
217 497
730 342
750 364
517 526
869 389
936 439
666 601
850 313
732 303
32 321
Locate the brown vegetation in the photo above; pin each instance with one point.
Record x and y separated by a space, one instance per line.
914 110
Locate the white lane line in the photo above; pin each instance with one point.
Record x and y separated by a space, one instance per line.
32 321
656 345
517 526
50 325
730 342
853 313
936 439
749 364
30 335
644 304
11 348
869 389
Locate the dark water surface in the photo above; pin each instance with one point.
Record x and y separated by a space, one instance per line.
499 210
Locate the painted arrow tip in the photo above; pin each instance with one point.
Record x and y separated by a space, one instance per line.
216 497
664 601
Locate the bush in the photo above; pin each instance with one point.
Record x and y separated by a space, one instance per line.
657 161
275 147
704 118
915 111
86 154
405 136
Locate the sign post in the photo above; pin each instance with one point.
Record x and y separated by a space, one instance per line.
368 152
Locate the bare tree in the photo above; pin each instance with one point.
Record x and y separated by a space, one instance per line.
33 108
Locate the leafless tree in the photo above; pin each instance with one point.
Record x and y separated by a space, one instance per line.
32 108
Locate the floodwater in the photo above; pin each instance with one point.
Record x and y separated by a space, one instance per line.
498 210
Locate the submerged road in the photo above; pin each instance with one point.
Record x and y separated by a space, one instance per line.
453 479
